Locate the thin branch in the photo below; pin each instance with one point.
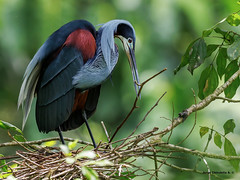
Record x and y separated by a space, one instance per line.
171 132
209 139
9 134
38 142
105 130
209 171
199 153
228 100
202 104
135 102
146 115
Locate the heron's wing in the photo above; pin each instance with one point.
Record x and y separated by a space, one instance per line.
92 100
89 105
55 92
31 75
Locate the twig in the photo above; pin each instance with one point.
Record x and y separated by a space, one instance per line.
135 103
29 160
199 153
209 171
146 115
209 139
172 122
18 142
155 164
228 100
41 141
105 130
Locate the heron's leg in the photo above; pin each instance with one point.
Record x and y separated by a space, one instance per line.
60 135
89 130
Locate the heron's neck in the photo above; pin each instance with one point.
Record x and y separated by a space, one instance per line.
84 41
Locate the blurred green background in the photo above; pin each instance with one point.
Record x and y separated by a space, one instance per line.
164 28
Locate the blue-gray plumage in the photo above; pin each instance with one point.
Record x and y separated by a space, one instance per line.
67 71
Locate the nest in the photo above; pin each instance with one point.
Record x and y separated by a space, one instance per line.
107 163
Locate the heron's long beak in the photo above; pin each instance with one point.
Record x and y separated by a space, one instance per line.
132 62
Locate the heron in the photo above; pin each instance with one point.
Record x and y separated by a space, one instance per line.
66 73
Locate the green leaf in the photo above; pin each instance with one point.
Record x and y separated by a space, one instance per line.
20 138
221 61
233 50
208 82
203 131
211 48
232 67
185 57
229 126
72 145
197 54
220 31
207 32
229 150
6 125
89 173
49 144
4 168
202 81
233 19
227 35
217 140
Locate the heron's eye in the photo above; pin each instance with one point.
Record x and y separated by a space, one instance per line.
130 40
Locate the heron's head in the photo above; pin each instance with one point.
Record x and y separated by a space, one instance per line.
123 30
126 34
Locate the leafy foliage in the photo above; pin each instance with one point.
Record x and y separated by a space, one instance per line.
217 140
232 67
227 53
4 168
229 126
208 82
234 19
8 126
233 50
203 131
194 55
229 149
221 62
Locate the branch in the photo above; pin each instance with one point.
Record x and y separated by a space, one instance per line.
202 104
14 143
135 102
228 100
199 153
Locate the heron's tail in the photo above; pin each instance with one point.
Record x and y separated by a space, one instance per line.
28 87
